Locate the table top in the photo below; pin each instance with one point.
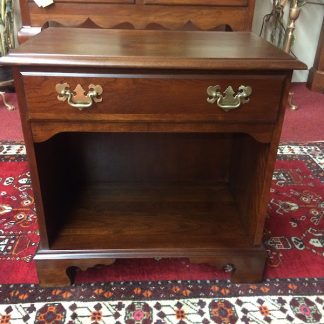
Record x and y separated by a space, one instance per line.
150 49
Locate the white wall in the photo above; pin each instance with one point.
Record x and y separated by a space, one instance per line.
307 32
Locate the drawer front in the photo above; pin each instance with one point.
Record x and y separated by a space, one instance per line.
154 98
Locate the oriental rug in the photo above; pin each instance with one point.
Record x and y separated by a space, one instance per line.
174 291
209 301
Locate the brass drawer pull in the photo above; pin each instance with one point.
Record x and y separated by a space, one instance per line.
230 100
77 98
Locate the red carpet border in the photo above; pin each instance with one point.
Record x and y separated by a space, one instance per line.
209 301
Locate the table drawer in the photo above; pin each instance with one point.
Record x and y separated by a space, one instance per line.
154 97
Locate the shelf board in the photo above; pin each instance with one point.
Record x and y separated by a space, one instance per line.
147 217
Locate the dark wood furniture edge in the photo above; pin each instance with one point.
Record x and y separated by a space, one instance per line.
132 59
62 272
315 80
244 264
28 138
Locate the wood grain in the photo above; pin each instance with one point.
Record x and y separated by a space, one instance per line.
151 49
62 272
151 217
42 130
140 14
154 97
153 170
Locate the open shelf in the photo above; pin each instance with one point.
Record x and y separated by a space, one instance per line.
149 192
152 216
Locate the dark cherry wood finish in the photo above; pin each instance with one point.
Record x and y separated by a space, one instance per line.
153 170
138 14
182 98
316 74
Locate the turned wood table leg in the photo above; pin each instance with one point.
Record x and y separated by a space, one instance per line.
62 272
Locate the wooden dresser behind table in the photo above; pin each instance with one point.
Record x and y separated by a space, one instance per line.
233 15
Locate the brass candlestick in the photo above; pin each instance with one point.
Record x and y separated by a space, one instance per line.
294 13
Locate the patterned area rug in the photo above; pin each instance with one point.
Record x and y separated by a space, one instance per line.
208 301
294 234
294 238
